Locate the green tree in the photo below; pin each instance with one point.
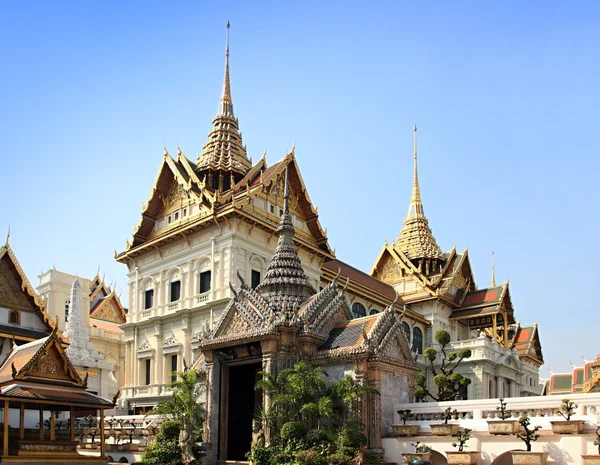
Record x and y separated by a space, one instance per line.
448 382
297 394
165 448
185 409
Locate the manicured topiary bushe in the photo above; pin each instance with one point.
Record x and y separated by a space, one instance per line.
449 383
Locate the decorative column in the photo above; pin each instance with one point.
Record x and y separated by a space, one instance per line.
6 417
190 286
269 365
102 439
374 408
158 378
22 421
499 387
211 425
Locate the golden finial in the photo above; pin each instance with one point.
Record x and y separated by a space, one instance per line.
416 195
493 271
293 150
226 105
165 152
8 235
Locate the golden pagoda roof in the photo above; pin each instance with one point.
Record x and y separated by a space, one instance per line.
224 149
416 239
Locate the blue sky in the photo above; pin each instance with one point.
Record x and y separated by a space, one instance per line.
505 95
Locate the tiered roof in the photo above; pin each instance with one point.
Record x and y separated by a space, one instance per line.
285 283
416 239
224 149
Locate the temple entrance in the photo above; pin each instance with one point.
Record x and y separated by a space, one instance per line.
242 402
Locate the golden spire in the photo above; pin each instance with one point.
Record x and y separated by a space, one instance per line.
224 151
226 104
416 240
493 271
416 195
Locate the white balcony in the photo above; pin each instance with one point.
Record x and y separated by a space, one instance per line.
202 298
173 306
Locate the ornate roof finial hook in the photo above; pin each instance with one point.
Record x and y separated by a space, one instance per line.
8 235
493 271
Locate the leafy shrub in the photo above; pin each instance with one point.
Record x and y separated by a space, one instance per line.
317 436
259 455
169 429
309 457
292 430
349 451
339 459
352 438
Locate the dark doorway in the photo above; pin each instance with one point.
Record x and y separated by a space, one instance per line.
242 400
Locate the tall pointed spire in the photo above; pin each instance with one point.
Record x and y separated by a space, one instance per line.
226 104
285 283
416 195
416 239
224 150
493 271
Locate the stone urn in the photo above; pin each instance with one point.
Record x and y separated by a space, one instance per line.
591 459
567 426
405 430
410 457
504 427
443 429
521 457
463 457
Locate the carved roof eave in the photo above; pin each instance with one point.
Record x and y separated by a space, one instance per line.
335 356
193 186
26 286
310 211
442 276
110 297
53 339
321 245
100 287
236 339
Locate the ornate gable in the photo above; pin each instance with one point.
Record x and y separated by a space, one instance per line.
16 292
109 309
12 294
39 360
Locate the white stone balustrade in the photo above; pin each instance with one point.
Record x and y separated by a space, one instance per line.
562 449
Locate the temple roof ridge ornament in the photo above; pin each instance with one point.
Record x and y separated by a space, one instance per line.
224 149
416 239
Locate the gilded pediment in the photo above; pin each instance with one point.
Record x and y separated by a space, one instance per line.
12 295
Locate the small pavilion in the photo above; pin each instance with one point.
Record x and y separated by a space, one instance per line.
37 383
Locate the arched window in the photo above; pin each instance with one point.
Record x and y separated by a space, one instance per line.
417 343
406 331
13 318
358 310
373 311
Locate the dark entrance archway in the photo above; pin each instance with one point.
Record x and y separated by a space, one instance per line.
240 406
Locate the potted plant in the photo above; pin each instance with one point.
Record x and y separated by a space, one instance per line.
567 426
422 452
445 429
528 435
593 459
502 426
404 429
460 456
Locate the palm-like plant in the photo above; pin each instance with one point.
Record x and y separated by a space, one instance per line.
297 394
185 408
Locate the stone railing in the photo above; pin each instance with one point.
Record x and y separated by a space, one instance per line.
495 450
474 413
